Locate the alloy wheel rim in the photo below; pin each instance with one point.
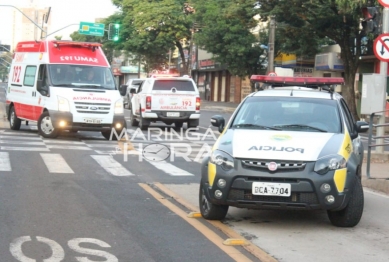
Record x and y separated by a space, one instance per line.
46 125
204 202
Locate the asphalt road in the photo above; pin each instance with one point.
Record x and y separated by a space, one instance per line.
79 197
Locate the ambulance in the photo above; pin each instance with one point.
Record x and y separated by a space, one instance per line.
63 85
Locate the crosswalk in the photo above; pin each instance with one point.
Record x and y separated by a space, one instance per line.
109 155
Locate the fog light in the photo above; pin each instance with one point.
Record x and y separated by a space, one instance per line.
221 183
118 125
325 188
218 194
62 123
330 199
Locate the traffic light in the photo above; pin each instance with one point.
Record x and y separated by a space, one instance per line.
113 32
371 22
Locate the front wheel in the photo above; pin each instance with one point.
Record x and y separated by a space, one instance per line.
14 121
208 210
352 213
46 127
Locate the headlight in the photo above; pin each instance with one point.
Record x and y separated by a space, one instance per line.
119 106
63 104
222 159
327 163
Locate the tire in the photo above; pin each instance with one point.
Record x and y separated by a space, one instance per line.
107 134
352 213
193 123
45 126
208 210
14 121
143 124
178 124
133 120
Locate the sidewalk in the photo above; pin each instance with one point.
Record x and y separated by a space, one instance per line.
379 164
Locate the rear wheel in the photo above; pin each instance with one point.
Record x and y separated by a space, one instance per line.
208 210
143 124
133 120
46 127
14 121
352 213
193 123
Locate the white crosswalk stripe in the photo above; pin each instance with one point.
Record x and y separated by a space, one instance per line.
5 164
56 164
111 165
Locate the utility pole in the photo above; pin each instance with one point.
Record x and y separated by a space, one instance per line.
384 73
272 29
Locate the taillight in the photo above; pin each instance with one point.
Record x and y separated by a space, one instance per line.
198 103
148 102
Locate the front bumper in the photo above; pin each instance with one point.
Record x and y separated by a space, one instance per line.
305 187
57 117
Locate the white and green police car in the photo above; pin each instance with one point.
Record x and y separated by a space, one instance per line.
292 145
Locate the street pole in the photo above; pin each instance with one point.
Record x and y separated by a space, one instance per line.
384 74
272 29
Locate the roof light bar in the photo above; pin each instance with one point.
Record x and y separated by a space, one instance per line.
85 44
298 80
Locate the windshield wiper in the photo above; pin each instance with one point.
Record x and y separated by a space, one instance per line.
303 126
254 125
64 85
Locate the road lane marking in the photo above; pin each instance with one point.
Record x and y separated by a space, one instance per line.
250 247
55 163
5 163
234 253
170 169
111 165
68 147
18 148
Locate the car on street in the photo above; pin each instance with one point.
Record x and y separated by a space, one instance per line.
131 84
291 145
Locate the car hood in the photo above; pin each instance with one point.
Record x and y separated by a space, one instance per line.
277 145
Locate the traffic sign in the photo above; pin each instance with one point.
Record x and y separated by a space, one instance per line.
384 3
272 74
381 47
91 29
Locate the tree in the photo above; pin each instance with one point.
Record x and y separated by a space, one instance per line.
226 32
153 27
306 23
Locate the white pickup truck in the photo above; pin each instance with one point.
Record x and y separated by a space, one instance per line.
167 99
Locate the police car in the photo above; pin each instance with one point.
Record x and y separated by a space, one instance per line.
291 145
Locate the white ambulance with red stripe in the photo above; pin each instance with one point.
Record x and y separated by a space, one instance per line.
63 85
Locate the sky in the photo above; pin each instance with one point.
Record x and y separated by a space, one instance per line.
62 14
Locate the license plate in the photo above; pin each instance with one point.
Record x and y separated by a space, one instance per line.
271 189
173 113
92 121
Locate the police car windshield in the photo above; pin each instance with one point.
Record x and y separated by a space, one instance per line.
289 114
81 76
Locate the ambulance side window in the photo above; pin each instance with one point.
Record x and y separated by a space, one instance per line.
43 80
29 76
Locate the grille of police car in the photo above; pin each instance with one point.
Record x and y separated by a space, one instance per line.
92 108
258 164
295 198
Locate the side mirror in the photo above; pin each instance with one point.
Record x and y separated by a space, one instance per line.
132 90
123 90
362 126
218 121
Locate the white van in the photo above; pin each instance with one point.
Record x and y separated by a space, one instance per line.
63 85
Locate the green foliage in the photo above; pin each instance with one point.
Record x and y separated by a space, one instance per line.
226 33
